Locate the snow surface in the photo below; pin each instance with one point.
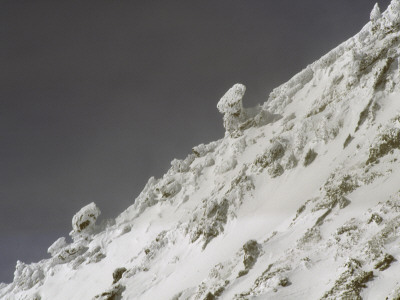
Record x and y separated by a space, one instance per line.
299 200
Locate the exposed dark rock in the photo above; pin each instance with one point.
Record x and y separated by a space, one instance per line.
83 225
347 141
387 142
363 115
366 62
336 188
312 235
350 282
209 296
212 222
114 293
346 228
381 75
284 282
266 276
273 154
276 151
343 202
219 291
384 263
300 210
156 245
310 157
251 253
117 274
375 218
243 273
321 219
276 170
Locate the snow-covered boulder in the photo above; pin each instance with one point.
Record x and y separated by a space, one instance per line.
231 106
231 102
27 276
85 219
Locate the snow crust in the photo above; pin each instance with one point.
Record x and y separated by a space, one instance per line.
299 200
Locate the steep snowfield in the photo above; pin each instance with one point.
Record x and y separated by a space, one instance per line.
299 200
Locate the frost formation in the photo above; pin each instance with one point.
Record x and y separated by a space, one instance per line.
85 219
299 200
231 106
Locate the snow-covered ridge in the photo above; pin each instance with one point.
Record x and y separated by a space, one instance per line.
299 200
374 31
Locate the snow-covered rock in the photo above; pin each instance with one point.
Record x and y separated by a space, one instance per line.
375 13
57 246
27 276
85 219
231 106
299 200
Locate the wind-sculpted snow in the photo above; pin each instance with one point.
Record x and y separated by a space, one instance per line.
299 200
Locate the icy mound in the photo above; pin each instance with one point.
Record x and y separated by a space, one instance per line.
299 200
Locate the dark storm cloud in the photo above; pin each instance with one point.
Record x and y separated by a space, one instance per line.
97 96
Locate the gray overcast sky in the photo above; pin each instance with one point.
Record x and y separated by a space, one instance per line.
97 96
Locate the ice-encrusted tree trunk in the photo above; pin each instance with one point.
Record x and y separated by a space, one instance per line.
231 106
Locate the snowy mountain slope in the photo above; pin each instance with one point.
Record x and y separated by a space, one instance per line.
299 200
